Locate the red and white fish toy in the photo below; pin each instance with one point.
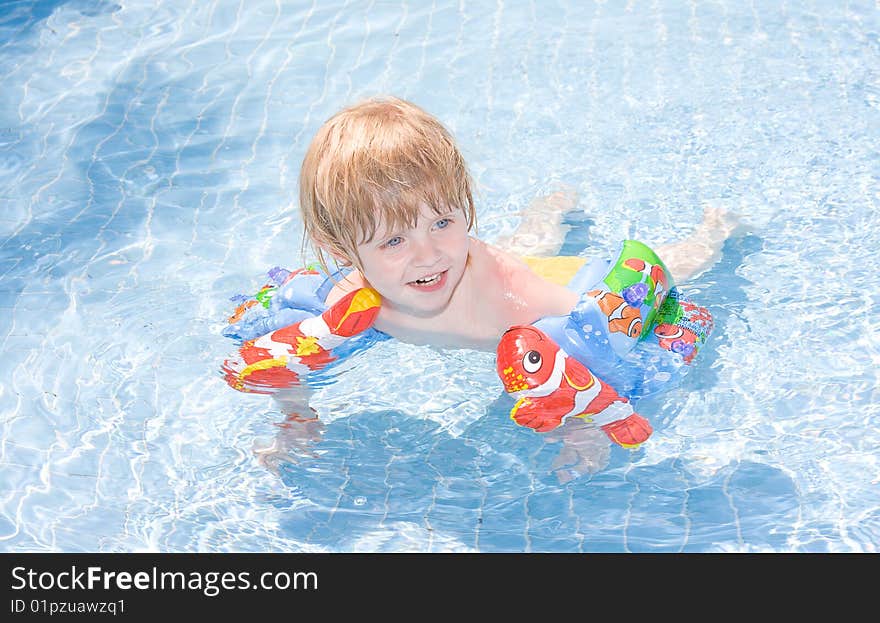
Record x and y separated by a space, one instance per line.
551 386
278 359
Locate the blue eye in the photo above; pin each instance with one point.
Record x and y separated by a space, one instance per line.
394 241
443 223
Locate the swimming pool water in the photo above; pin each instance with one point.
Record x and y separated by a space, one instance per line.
148 161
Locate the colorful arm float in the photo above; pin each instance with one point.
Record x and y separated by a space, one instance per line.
285 299
630 335
288 352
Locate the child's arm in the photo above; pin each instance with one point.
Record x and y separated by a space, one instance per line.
699 251
279 363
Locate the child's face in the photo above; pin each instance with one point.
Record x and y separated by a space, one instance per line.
416 270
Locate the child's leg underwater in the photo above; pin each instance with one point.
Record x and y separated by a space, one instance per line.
541 231
698 252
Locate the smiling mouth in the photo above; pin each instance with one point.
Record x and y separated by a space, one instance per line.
429 281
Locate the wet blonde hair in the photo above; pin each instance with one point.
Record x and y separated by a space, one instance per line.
375 163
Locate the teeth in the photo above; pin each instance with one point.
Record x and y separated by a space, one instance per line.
427 280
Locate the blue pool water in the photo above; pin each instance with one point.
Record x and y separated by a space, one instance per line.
148 161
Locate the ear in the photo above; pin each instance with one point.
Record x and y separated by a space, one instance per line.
338 256
340 259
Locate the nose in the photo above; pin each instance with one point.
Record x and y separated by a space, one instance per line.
425 252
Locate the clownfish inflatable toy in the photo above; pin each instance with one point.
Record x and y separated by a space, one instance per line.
551 386
629 336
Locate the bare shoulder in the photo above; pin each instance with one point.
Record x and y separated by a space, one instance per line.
492 262
526 295
514 270
353 281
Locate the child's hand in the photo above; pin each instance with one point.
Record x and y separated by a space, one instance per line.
296 436
585 450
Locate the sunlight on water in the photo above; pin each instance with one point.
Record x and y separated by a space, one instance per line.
148 159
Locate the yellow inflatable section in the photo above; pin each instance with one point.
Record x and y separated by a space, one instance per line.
559 269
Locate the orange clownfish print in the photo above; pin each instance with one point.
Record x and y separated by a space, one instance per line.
622 318
677 339
551 386
278 359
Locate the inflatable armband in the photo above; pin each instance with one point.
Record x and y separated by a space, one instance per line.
629 336
299 333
